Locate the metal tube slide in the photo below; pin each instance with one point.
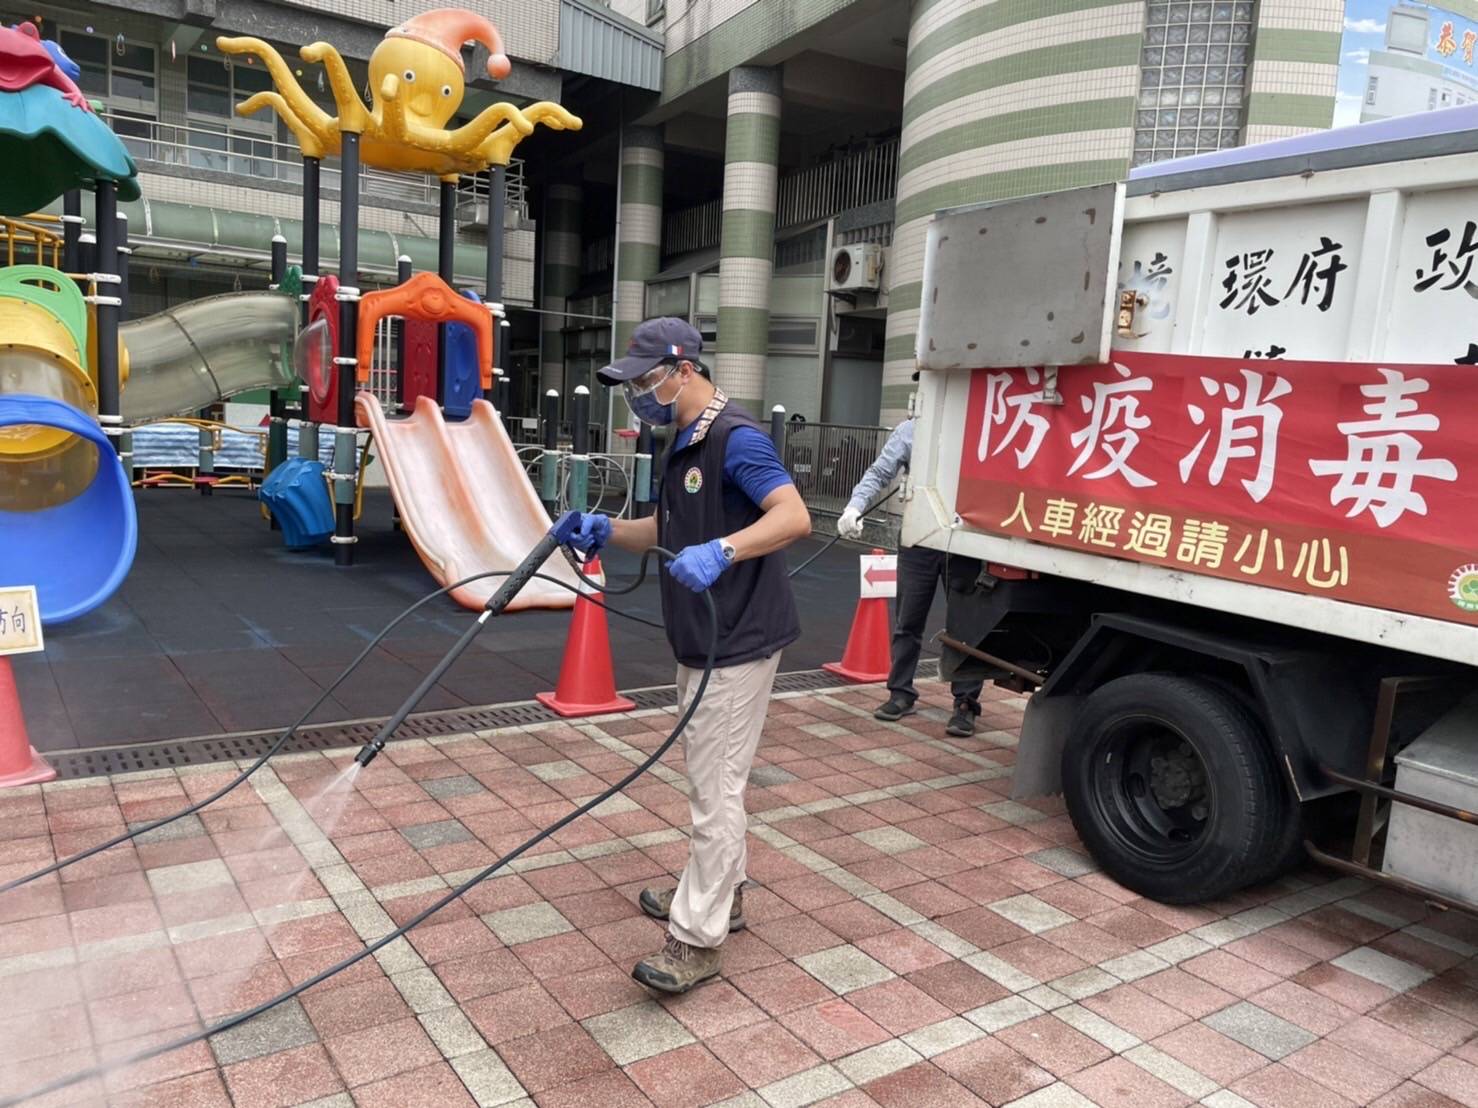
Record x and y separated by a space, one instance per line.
187 358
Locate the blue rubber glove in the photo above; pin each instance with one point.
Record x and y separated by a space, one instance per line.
594 533
698 567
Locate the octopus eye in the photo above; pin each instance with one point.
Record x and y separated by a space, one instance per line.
410 76
446 90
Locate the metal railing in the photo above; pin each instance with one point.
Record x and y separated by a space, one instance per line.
867 176
826 460
610 483
855 180
265 161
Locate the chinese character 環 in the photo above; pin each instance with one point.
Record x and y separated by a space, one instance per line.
1247 278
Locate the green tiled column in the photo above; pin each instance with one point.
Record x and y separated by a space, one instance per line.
1295 68
1002 98
561 278
639 252
747 242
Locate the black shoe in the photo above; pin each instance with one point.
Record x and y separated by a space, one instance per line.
962 724
894 710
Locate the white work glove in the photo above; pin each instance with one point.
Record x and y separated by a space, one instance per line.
849 526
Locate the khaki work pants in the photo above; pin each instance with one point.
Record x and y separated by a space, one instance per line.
719 744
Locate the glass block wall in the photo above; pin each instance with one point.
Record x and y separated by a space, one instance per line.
1193 88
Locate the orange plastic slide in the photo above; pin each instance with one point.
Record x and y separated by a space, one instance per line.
465 500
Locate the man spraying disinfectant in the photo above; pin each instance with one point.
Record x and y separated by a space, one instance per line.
729 508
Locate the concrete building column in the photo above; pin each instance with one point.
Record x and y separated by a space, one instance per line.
1001 100
747 242
561 277
639 248
1295 71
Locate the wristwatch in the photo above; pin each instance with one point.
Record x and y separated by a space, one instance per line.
728 550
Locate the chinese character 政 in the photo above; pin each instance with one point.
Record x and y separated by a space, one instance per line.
1383 459
1460 266
1113 427
1248 429
1001 404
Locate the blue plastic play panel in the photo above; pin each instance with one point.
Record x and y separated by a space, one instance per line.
463 379
297 496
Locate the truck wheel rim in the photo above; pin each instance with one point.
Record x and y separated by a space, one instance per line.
1152 790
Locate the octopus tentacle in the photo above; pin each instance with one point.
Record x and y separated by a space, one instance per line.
498 147
282 77
552 115
312 143
467 136
353 116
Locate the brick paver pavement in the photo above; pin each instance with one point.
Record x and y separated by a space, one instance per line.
916 938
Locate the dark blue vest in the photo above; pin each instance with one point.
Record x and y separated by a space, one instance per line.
756 609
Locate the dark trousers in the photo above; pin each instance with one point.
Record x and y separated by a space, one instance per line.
920 572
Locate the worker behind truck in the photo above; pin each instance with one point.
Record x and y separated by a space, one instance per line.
727 508
920 571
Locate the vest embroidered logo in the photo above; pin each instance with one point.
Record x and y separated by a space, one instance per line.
693 479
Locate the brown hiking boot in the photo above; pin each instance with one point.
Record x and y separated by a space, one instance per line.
657 903
678 967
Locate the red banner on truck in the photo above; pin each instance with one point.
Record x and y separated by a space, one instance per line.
1348 480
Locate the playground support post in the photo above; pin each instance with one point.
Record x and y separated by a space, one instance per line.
277 410
642 477
125 252
497 207
308 432
402 275
580 449
446 259
105 297
549 466
777 427
71 230
345 440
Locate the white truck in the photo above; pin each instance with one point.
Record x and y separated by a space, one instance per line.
1203 450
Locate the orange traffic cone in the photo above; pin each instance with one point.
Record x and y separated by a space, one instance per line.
868 656
19 762
587 684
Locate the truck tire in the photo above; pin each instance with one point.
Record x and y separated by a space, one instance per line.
1172 785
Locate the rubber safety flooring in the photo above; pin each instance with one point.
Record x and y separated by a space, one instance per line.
916 939
219 629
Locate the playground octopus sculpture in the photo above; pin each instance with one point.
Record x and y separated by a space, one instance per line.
417 81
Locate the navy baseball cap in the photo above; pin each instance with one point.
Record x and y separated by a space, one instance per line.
652 343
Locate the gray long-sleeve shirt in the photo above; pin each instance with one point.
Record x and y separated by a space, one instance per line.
895 458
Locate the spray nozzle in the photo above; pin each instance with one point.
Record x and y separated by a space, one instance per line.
370 752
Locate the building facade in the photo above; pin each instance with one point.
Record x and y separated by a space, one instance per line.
763 168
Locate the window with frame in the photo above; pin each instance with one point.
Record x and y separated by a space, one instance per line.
124 74
1193 78
220 139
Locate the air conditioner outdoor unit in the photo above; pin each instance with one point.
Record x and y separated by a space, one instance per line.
856 268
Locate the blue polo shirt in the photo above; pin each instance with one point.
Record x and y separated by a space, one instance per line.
752 466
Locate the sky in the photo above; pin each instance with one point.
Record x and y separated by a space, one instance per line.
1365 30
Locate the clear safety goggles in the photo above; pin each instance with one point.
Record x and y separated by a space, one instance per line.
649 382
